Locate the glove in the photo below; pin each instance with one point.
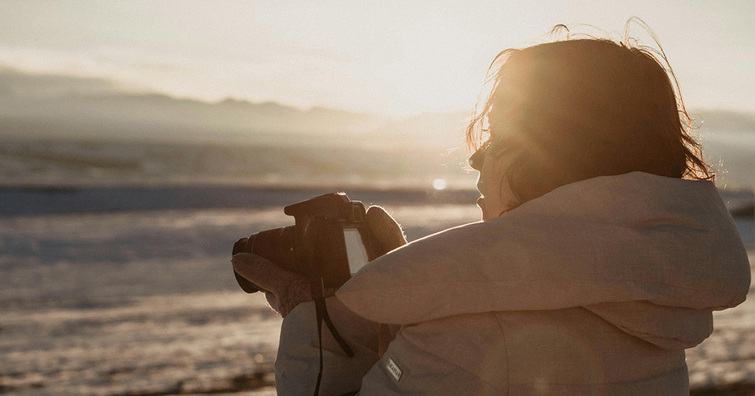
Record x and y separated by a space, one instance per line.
284 290
385 229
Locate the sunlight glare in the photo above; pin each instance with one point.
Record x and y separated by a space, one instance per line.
439 184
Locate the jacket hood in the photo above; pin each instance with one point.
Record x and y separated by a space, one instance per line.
652 255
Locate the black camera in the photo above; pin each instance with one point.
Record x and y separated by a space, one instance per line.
330 240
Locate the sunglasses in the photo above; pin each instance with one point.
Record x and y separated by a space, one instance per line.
477 159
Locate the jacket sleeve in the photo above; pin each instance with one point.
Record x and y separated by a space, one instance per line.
298 357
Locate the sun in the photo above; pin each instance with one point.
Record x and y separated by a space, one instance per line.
440 184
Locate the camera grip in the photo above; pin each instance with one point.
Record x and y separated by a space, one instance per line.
329 258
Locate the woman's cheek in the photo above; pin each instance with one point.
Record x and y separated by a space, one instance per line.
490 190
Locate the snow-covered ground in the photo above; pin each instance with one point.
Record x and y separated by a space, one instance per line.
145 302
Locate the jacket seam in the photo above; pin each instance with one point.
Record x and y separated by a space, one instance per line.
506 352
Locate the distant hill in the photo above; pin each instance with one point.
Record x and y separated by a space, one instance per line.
49 105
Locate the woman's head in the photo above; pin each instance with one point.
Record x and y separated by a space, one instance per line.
572 110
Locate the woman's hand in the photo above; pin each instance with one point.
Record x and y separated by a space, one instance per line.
385 229
284 290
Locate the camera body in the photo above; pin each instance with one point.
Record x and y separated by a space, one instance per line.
330 240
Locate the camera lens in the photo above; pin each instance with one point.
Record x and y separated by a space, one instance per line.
241 246
276 245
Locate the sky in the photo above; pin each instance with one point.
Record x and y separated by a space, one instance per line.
391 58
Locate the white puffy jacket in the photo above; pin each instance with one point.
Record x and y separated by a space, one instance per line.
594 288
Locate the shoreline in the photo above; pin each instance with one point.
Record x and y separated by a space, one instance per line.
69 200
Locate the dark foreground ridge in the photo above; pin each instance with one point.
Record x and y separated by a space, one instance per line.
258 381
30 201
46 200
743 389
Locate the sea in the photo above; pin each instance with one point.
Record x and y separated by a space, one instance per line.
127 288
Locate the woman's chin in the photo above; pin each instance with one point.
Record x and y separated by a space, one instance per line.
481 205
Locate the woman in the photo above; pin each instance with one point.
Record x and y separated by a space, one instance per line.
603 250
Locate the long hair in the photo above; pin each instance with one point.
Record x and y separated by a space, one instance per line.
581 108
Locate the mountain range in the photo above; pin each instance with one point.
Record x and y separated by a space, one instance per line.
64 106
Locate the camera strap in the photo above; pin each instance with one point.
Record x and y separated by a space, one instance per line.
322 316
321 311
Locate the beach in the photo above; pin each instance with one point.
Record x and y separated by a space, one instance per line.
140 140
142 301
